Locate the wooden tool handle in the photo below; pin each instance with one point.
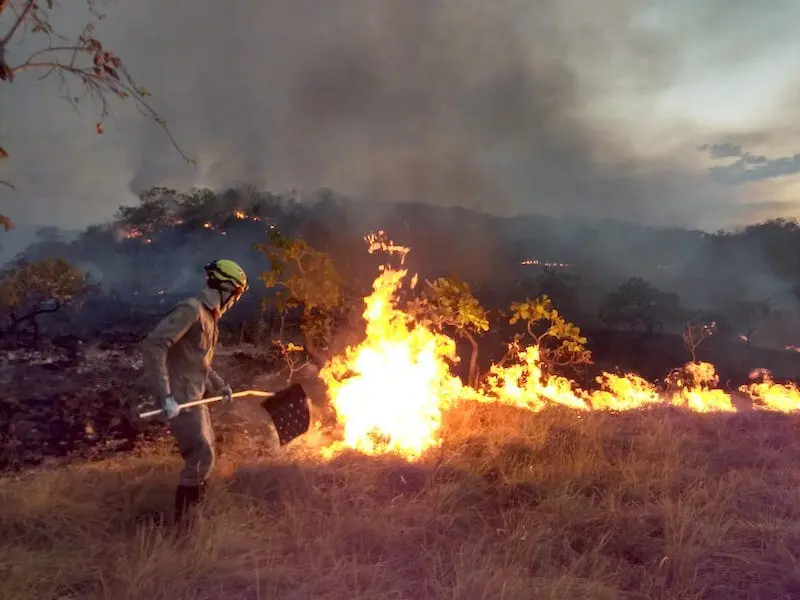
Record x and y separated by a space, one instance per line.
258 393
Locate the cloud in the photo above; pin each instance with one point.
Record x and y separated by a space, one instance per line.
724 150
748 167
485 104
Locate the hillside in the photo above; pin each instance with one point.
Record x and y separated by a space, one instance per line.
634 475
425 300
192 225
657 503
514 505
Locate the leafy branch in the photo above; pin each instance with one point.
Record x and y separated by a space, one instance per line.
448 303
560 342
31 289
306 279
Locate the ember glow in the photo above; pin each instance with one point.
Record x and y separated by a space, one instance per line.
211 227
133 234
535 262
145 234
391 390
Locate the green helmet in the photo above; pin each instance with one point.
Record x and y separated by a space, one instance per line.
224 274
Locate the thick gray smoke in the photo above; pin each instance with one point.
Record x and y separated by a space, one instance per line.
501 105
509 105
453 102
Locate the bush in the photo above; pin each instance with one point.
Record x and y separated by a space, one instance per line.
31 289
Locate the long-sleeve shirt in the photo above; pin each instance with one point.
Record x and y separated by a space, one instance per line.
178 353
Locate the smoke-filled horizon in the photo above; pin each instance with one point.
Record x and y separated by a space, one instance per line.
150 257
509 106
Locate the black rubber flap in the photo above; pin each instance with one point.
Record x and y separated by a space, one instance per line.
290 411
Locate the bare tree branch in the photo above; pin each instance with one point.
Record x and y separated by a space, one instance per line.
100 72
16 25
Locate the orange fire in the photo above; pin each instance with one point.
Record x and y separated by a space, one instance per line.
391 390
768 395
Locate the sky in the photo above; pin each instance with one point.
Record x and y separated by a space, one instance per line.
664 112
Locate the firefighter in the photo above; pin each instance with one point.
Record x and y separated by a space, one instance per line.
177 356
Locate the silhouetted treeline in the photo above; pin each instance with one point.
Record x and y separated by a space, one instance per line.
159 246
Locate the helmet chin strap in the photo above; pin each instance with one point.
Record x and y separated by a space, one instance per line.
226 303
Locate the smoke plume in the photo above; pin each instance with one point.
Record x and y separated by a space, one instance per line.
502 105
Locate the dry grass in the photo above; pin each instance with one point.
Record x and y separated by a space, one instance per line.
652 505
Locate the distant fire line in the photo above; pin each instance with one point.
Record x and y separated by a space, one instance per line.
539 263
142 234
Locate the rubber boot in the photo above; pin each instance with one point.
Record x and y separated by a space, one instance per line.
186 499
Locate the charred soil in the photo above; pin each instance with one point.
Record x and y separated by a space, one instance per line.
80 402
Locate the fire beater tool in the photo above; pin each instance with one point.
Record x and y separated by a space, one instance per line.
290 410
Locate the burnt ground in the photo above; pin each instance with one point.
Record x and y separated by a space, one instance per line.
56 404
68 401
59 404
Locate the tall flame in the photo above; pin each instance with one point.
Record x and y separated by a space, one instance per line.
391 390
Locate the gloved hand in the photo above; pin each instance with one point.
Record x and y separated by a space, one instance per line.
171 407
227 393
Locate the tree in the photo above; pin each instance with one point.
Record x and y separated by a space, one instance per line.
31 289
560 342
50 235
448 303
294 358
50 242
744 317
778 242
638 304
157 210
84 60
561 288
307 280
695 333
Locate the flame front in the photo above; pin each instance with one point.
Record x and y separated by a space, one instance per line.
391 390
768 395
525 385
